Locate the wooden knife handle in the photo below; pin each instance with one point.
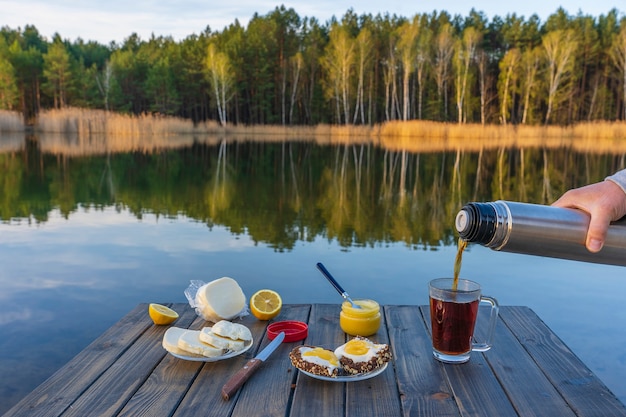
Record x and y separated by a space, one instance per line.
236 381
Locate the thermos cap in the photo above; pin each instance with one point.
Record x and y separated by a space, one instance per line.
477 222
461 221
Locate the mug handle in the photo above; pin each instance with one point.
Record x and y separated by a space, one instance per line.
493 318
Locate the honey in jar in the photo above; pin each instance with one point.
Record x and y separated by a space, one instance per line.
363 321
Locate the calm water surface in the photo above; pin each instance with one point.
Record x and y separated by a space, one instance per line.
86 237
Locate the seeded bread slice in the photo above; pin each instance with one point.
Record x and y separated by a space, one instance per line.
296 360
355 368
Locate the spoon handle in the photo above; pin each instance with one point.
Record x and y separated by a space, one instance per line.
330 278
338 287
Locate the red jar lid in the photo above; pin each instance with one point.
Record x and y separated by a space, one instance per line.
294 330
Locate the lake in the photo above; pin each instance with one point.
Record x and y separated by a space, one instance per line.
88 231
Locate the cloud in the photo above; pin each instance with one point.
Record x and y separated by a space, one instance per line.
10 317
116 20
108 243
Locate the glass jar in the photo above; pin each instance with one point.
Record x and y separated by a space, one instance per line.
363 321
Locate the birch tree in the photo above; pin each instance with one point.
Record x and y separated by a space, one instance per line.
465 50
221 77
422 60
104 83
529 69
364 57
483 60
560 46
407 51
444 49
508 71
297 62
338 60
390 72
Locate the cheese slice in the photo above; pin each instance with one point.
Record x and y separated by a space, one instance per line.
170 341
207 336
220 299
232 330
190 342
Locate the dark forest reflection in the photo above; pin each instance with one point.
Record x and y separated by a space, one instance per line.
282 192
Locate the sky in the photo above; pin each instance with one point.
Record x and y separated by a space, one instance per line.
115 20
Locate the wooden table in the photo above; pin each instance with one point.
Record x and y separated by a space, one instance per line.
126 372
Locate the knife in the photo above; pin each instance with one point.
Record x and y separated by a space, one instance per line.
236 381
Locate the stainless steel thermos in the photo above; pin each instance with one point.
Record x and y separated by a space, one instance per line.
535 229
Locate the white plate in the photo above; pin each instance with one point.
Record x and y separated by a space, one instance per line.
229 354
348 378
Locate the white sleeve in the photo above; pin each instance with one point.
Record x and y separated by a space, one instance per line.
619 178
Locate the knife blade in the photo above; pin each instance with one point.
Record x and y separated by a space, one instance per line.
236 381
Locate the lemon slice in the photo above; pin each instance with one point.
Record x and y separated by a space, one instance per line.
265 304
161 314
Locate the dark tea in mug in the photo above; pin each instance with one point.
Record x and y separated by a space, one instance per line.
453 325
453 313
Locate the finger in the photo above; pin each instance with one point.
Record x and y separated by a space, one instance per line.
596 234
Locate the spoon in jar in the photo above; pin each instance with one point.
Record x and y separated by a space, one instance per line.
340 290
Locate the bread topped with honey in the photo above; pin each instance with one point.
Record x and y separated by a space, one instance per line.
315 360
361 355
358 356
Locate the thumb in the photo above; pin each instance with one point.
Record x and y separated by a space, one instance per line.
596 234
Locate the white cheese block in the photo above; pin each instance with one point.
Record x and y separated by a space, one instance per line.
220 299
231 330
207 336
190 342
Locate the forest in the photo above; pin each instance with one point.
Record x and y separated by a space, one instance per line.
284 69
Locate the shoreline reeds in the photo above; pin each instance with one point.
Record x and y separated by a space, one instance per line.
11 121
95 131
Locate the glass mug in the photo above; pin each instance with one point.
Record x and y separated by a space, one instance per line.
453 318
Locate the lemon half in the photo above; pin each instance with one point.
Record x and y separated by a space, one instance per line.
265 304
161 314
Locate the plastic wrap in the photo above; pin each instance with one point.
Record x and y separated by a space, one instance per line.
206 311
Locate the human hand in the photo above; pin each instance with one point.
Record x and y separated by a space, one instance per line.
605 202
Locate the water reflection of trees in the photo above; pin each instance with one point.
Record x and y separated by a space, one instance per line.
282 192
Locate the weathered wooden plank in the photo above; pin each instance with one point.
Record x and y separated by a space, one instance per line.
269 390
377 396
326 398
582 390
113 389
57 393
204 396
421 379
168 383
474 386
515 368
